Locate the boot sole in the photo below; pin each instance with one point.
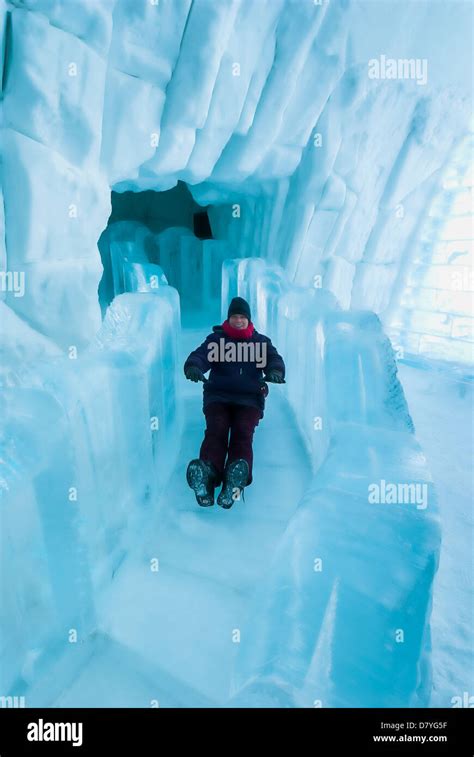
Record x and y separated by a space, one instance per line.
239 476
195 476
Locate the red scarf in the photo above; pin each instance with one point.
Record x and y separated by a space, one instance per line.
238 333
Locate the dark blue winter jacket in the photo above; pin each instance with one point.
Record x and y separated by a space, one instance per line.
240 381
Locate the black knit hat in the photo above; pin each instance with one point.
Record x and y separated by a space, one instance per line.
239 305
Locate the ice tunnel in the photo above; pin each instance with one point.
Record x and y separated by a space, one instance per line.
158 159
168 228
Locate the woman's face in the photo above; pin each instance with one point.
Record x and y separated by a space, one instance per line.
238 321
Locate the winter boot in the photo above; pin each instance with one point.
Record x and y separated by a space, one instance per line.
236 475
201 477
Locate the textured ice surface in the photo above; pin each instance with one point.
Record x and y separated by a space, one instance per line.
348 575
266 106
87 444
300 594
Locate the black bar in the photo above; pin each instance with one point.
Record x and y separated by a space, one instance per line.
155 731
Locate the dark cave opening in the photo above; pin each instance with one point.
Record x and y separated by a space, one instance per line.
150 229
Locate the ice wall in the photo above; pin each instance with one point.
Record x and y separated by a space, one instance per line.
342 616
432 315
56 198
87 445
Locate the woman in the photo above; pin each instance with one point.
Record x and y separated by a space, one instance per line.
240 361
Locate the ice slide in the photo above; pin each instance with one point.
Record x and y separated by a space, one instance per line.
309 593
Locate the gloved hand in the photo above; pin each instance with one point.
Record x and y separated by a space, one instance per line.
264 387
275 377
193 373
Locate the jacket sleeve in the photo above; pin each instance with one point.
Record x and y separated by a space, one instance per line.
274 359
198 357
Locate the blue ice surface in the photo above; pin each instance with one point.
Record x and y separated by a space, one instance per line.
116 589
306 594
